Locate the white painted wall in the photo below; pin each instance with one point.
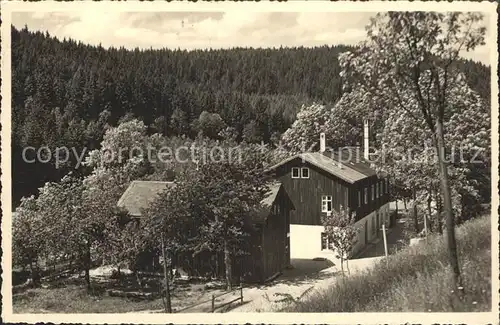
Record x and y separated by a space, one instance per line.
305 240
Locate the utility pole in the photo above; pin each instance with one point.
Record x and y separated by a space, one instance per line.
385 244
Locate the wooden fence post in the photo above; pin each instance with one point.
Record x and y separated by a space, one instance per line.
213 303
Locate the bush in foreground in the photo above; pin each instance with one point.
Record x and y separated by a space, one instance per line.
416 279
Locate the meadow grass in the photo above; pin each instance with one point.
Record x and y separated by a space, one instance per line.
416 279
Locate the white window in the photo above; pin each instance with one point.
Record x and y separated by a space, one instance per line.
325 243
326 203
298 172
366 195
376 190
373 192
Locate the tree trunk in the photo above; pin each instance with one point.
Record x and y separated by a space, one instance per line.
439 212
396 208
347 265
342 265
429 210
415 213
227 264
405 202
217 267
168 306
463 212
87 266
446 192
35 275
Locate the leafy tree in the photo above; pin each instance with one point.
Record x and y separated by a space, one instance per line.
304 132
210 124
28 241
407 62
233 193
179 122
251 133
341 234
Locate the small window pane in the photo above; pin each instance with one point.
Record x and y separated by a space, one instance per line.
326 203
305 172
295 172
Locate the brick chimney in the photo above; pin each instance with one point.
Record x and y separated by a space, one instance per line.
322 142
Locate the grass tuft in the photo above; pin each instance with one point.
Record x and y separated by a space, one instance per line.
416 279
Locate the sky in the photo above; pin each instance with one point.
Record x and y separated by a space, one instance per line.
192 30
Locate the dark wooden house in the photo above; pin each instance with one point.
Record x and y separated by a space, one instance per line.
320 182
268 247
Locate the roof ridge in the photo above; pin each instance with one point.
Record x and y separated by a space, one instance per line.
146 181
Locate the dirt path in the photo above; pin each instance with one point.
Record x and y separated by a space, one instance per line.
270 298
309 276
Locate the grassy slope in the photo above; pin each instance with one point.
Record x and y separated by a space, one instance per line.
416 279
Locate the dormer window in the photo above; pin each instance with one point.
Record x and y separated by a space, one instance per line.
300 172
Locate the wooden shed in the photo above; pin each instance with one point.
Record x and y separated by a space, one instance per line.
270 253
268 249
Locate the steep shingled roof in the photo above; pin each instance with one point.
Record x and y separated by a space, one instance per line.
274 188
140 194
341 170
353 156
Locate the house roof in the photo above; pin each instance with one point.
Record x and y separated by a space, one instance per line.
270 197
334 167
261 214
140 194
354 158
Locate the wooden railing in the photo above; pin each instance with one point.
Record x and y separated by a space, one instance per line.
212 300
214 307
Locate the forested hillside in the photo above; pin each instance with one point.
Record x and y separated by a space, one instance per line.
65 92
